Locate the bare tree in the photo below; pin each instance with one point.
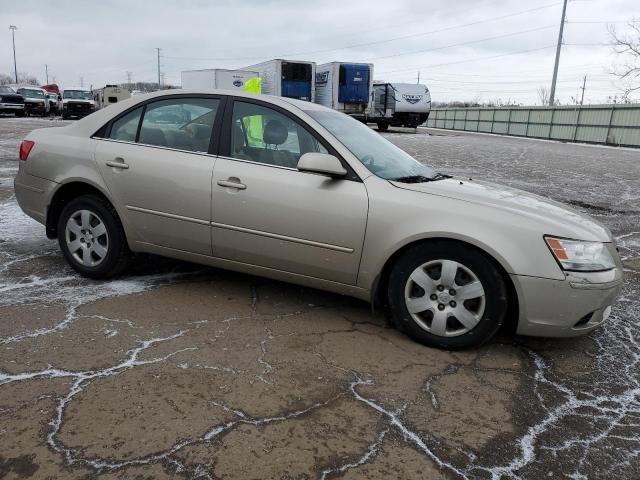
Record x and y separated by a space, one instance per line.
23 78
543 95
627 46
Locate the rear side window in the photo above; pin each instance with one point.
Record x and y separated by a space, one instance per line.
182 123
126 127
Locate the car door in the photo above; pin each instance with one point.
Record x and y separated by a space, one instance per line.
156 163
267 213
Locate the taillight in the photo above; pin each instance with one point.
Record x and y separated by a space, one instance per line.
25 149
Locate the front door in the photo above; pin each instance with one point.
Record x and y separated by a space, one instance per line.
267 213
156 164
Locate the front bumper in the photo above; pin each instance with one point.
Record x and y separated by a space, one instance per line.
566 308
77 109
17 107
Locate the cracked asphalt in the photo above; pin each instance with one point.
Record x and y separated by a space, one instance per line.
181 371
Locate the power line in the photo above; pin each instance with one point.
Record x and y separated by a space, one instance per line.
475 59
470 42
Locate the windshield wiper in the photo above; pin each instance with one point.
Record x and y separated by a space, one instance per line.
420 178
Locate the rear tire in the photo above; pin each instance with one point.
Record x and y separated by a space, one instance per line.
448 295
92 239
383 126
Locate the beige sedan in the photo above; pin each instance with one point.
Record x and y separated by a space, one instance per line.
297 192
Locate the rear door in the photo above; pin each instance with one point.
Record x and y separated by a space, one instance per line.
267 213
157 161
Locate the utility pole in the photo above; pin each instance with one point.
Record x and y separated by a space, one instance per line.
584 85
13 29
159 84
46 72
129 74
418 78
81 81
552 95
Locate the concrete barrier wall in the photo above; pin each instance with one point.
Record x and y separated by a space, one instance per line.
605 124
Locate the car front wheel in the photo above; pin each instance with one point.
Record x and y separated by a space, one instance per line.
447 295
92 239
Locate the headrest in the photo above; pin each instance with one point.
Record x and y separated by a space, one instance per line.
275 133
238 138
199 131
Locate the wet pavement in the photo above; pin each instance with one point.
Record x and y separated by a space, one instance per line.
182 371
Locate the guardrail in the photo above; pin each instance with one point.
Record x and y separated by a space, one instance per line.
604 124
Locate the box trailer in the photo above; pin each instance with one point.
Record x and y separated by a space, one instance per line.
400 105
213 78
287 78
346 87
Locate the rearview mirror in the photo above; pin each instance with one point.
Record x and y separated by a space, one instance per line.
321 163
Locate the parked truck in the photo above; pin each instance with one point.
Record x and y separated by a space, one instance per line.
287 78
77 102
213 78
346 87
399 105
109 94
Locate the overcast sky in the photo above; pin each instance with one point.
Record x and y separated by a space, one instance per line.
462 49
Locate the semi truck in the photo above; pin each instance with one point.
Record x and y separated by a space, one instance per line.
213 78
399 105
346 87
287 78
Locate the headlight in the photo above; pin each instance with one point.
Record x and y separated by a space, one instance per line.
580 255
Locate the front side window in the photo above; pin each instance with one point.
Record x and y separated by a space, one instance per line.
260 134
126 127
381 157
181 123
5 89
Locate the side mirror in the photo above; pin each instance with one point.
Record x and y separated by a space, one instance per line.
321 163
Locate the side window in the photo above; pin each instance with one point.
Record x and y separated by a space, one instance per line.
181 123
263 135
126 127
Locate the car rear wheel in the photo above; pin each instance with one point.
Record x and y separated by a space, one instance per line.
447 295
92 239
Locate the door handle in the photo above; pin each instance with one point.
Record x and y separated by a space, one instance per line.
229 184
117 162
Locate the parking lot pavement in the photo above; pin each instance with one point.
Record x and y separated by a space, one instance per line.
181 371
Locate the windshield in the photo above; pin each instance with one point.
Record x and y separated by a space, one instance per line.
5 89
76 95
31 93
381 157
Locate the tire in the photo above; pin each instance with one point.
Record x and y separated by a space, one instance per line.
463 309
92 239
383 126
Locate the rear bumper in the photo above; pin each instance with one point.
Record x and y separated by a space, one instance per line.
566 308
33 194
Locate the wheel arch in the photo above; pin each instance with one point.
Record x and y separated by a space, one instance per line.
381 282
63 195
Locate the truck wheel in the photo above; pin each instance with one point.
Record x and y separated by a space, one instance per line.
383 126
92 238
447 295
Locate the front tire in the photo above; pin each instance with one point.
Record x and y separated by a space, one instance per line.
92 238
447 295
383 126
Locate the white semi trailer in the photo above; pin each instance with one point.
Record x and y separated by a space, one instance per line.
346 87
400 105
213 78
287 78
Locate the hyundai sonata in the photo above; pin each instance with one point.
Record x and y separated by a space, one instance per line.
294 191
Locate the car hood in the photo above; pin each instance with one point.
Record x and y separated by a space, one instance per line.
555 217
